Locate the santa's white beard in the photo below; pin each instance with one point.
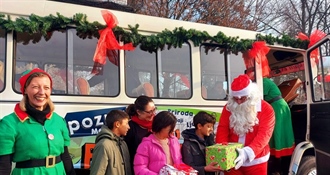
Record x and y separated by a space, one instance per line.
243 116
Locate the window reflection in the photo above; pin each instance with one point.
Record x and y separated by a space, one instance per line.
139 66
236 66
34 51
69 61
172 80
2 59
214 84
174 73
320 66
81 80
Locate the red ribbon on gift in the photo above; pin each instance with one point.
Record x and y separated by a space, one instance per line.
183 167
316 36
108 43
258 52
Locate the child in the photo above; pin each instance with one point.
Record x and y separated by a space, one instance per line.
110 154
159 148
195 141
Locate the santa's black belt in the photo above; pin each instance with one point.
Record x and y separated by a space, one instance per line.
48 162
274 99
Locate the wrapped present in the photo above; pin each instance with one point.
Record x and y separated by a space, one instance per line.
178 169
224 154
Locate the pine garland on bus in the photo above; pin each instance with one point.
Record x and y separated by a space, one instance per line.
45 25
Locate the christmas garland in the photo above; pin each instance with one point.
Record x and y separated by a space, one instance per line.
46 25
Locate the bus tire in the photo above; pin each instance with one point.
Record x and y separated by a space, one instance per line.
307 166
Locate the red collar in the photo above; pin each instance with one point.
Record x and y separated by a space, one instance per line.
22 115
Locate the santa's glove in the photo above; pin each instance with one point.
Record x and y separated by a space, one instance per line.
244 154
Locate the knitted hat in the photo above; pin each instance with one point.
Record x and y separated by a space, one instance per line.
241 86
28 73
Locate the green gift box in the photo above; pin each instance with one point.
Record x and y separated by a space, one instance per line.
223 154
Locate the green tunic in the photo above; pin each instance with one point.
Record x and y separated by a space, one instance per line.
27 139
282 141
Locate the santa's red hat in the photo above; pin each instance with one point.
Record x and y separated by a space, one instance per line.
241 86
28 73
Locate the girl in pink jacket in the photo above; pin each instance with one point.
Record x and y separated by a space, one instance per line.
160 148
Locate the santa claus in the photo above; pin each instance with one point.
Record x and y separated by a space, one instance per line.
249 120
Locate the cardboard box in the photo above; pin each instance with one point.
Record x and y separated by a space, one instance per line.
223 154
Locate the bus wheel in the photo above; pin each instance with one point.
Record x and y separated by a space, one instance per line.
307 166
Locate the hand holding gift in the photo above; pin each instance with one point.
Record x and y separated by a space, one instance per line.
241 158
244 154
212 167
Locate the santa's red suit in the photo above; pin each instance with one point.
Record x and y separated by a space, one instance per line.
256 140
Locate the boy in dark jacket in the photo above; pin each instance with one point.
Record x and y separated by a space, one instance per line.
110 155
195 141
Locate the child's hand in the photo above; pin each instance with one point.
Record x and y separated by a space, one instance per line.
212 167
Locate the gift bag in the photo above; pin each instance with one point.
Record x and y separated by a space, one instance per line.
178 169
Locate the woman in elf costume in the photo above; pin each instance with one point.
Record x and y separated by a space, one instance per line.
142 113
282 142
34 136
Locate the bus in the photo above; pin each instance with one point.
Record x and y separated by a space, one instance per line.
181 78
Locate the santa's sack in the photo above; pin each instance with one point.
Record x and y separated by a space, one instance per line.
178 169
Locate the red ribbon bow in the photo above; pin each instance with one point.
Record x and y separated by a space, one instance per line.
107 42
316 36
183 167
258 52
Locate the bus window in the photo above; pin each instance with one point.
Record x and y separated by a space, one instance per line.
34 51
213 73
2 58
321 73
21 67
298 92
174 73
236 66
58 74
104 83
139 66
174 70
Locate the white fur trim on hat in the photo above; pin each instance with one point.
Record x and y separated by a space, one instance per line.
244 92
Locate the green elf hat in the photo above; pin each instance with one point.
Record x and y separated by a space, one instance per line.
28 73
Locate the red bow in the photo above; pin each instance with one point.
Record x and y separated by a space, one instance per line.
259 51
316 36
183 167
107 42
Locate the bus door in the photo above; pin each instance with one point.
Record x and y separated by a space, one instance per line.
318 58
